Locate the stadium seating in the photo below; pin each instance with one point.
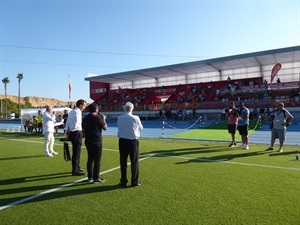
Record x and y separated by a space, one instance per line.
210 95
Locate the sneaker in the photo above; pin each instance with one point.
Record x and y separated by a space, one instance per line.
48 155
100 180
242 146
90 180
270 149
54 153
232 145
280 150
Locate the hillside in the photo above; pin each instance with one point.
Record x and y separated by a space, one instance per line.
37 101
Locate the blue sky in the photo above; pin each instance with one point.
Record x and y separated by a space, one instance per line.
48 40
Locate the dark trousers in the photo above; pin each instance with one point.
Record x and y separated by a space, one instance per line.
76 139
94 149
129 148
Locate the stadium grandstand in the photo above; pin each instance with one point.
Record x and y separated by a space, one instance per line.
258 79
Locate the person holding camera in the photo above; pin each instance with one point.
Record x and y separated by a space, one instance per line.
232 116
280 119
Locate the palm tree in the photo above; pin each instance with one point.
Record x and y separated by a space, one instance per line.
5 81
20 77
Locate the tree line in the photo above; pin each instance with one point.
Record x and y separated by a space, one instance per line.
7 106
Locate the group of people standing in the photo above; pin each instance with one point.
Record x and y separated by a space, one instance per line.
90 128
35 124
129 129
238 119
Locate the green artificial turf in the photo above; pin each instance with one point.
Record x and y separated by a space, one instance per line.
217 131
183 182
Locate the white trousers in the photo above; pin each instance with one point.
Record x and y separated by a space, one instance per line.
49 142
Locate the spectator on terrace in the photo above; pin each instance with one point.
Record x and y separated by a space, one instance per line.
268 112
223 112
255 113
278 80
262 113
160 114
194 113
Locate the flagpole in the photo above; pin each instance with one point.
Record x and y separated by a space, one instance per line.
69 90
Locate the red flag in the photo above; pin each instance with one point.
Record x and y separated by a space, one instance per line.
70 87
275 70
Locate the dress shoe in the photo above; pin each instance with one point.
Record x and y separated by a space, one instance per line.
136 184
122 185
78 174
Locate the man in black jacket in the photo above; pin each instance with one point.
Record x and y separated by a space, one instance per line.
92 126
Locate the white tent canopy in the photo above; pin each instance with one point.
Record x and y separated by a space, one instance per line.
29 113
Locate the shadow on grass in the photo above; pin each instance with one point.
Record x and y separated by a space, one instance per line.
283 153
30 179
19 134
59 191
185 151
23 157
211 149
223 158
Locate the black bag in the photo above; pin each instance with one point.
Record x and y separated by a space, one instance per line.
67 155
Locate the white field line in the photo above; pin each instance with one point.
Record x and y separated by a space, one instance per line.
41 142
151 155
60 187
202 160
230 162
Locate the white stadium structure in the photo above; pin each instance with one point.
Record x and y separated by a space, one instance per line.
206 85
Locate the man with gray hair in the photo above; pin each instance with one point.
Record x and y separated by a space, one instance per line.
129 129
48 131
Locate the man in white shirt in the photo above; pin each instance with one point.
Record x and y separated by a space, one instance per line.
129 129
73 131
48 131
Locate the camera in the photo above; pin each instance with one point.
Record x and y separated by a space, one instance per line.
235 113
